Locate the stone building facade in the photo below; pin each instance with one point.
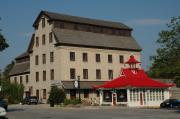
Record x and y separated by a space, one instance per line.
63 47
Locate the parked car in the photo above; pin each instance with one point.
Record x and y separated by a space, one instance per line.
30 100
170 103
2 113
3 104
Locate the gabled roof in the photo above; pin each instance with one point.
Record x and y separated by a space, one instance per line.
20 68
136 80
62 17
30 47
90 39
23 55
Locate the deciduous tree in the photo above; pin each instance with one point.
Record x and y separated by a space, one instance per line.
166 63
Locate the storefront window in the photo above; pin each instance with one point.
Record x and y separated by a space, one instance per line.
107 96
130 94
162 94
121 95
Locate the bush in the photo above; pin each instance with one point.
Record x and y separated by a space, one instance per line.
74 101
67 101
56 96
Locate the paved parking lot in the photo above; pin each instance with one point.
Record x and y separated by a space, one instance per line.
45 112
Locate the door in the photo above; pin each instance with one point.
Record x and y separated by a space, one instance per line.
114 98
141 99
37 94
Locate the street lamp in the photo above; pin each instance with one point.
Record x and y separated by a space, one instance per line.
78 77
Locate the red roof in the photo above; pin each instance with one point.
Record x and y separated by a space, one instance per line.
134 78
132 60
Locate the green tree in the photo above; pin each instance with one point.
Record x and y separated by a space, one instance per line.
3 43
7 70
56 96
166 63
13 92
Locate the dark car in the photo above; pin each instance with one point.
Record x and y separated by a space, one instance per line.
170 103
3 104
30 100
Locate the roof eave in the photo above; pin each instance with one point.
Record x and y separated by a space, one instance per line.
98 47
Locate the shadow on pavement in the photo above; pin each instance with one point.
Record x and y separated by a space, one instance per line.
14 110
178 111
3 118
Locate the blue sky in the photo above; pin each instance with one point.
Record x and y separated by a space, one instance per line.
146 17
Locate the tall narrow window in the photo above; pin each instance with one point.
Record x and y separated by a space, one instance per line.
110 74
72 73
51 56
44 75
36 60
109 58
85 57
72 56
44 58
37 76
85 73
43 22
15 79
27 79
98 58
50 37
52 74
121 59
44 93
21 79
43 39
98 74
37 41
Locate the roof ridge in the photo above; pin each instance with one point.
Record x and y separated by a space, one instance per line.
85 20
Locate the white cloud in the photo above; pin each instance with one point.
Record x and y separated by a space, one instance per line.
146 22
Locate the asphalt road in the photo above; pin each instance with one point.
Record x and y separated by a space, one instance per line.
45 112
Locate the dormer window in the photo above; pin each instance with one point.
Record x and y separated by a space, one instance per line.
43 22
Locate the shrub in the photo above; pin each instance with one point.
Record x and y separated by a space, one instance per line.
56 96
67 101
74 101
